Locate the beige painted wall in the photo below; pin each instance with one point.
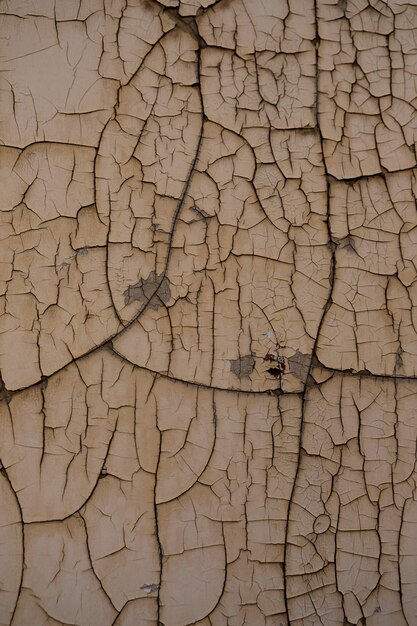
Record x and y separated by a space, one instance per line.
208 331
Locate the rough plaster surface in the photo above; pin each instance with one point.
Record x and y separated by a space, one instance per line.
208 331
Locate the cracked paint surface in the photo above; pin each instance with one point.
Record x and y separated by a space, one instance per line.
208 345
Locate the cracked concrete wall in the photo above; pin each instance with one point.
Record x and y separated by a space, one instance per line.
208 342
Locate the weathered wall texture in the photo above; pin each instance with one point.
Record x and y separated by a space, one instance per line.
208 313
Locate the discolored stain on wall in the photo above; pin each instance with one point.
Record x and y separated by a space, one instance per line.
149 291
242 367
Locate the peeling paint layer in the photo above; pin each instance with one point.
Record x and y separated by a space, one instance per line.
208 313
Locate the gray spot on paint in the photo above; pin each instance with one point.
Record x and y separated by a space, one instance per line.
151 588
154 289
243 367
345 242
299 365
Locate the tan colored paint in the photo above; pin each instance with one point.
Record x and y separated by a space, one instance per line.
208 341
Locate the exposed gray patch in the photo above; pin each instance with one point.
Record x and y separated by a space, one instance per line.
345 242
299 365
154 289
80 252
243 367
151 588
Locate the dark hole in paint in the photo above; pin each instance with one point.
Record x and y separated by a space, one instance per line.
275 371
